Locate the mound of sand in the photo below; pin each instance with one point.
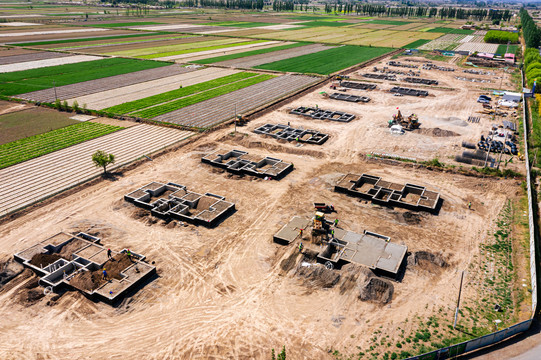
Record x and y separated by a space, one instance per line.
437 132
376 290
425 259
318 276
91 280
43 260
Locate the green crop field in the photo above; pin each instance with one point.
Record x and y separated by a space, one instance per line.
33 121
446 30
105 38
194 50
38 145
126 24
20 82
247 53
387 22
202 96
512 49
320 62
416 44
178 93
324 23
138 41
241 24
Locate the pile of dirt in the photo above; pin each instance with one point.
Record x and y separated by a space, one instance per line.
290 262
91 280
437 132
426 260
318 276
353 274
309 255
376 290
42 260
30 297
71 247
410 218
8 270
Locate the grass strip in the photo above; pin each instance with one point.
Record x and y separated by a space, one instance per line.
188 51
67 41
327 61
447 30
20 82
416 44
175 94
197 98
126 24
248 53
38 145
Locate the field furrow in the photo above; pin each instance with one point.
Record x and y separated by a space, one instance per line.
126 94
102 84
214 111
35 179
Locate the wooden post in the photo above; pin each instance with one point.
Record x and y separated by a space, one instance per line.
458 300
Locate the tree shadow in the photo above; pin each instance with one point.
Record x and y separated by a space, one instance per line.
112 176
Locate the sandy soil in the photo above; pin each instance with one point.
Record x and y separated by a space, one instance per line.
447 107
221 292
8 107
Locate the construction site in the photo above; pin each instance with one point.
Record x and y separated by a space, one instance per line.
347 246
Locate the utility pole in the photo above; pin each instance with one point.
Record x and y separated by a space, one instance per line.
458 300
54 86
235 119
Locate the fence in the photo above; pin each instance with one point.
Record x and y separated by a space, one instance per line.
500 335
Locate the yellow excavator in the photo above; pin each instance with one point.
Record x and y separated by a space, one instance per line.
408 123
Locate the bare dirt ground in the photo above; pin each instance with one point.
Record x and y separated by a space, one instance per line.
223 293
447 107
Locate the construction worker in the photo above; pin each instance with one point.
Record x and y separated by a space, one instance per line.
104 274
129 254
109 256
301 246
469 205
335 222
332 233
297 139
300 233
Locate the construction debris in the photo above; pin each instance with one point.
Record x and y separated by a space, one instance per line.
80 256
350 98
319 114
408 123
431 66
399 64
357 85
173 201
240 163
474 119
380 77
420 81
286 132
410 196
406 91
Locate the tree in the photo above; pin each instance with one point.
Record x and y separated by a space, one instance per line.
101 159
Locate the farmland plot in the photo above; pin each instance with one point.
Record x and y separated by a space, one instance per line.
204 53
446 42
36 64
21 82
255 60
126 94
219 109
33 180
103 84
4 60
479 47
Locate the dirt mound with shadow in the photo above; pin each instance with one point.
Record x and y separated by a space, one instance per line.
290 262
425 259
410 218
376 290
42 260
8 270
318 276
91 280
352 274
437 132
